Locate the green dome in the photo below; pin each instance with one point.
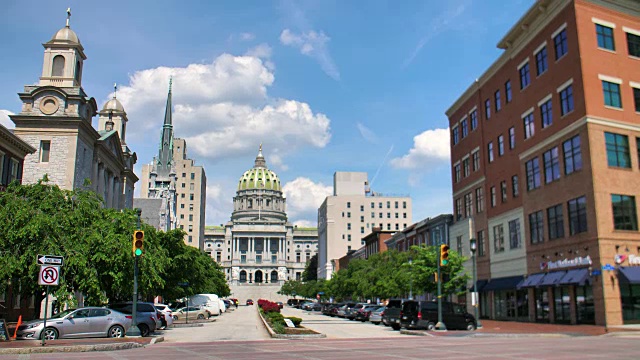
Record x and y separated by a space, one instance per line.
259 178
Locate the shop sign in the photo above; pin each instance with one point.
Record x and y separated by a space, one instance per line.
633 259
559 264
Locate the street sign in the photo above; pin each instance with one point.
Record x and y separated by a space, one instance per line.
321 293
289 323
50 260
608 267
49 275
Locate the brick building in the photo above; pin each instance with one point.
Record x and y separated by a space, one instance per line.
545 150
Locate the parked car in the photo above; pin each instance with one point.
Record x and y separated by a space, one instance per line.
345 309
76 323
391 315
307 306
280 304
376 315
166 312
424 315
249 302
293 302
146 315
351 312
211 302
363 313
191 313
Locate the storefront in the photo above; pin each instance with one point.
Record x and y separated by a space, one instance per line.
507 301
629 279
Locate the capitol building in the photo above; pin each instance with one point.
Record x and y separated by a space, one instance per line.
259 247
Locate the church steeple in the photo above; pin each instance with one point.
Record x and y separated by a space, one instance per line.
165 154
63 59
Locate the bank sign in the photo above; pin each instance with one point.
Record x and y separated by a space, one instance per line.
565 263
621 258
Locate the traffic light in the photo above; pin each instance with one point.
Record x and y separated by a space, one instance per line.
444 254
138 242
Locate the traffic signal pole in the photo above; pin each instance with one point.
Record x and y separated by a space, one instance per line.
133 330
440 325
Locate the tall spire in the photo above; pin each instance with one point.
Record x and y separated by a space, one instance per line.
260 162
165 154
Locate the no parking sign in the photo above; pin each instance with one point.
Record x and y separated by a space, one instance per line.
49 275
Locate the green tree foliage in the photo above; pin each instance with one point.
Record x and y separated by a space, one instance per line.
311 270
291 288
97 247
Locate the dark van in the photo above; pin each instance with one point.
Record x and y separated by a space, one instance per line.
424 315
391 316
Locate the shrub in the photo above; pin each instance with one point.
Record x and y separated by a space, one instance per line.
275 317
278 328
268 306
295 320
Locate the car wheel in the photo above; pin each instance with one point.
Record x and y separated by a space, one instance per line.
395 327
144 330
375 323
116 331
175 317
431 326
471 326
200 317
50 333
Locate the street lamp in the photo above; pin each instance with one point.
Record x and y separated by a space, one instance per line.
410 279
473 245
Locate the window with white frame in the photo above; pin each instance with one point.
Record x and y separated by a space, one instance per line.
498 238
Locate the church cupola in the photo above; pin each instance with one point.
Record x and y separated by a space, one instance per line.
113 117
63 59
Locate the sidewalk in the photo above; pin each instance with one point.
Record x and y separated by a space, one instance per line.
514 327
73 345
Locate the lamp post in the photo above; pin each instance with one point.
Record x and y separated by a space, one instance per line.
473 245
410 279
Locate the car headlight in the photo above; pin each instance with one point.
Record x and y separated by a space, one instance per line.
31 326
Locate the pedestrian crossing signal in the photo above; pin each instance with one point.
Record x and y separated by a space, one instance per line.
138 242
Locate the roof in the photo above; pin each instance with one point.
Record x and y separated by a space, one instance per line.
67 35
113 104
259 177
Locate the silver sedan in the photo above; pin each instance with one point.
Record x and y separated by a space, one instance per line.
376 315
76 323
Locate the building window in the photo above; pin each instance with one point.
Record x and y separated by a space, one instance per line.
181 206
190 207
190 238
397 215
636 98
388 226
190 217
617 150
493 196
388 204
476 160
633 44
577 215
373 205
551 165
560 44
468 205
348 205
611 93
191 186
536 227
487 109
348 214
533 174
605 37
572 155
361 229
380 205
501 145
361 207
474 119
388 215
348 226
190 228
13 169
298 257
497 100
395 204
373 215
190 196
514 186
503 191
458 209
481 243
404 204
624 212
529 126
498 238
512 138
45 149
455 135
479 200
404 215
541 61
380 215
362 218
555 222
465 167
525 77
193 176
515 239
349 237
546 114
465 128
507 91
490 151
184 174
566 100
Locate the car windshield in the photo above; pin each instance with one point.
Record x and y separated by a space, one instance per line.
62 314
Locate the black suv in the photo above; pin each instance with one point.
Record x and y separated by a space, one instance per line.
391 315
424 315
146 315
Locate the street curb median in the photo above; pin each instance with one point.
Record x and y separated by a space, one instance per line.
285 336
71 348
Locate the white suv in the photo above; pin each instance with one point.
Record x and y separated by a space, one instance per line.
168 316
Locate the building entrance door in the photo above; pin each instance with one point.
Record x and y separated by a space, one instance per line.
258 277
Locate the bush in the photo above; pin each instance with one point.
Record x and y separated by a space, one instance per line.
278 328
295 320
275 317
268 306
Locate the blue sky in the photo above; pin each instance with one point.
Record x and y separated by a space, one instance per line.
325 85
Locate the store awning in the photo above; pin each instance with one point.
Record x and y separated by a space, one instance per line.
576 277
629 275
480 284
505 283
552 278
531 281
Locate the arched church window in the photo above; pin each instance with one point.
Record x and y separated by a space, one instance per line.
243 276
78 72
58 66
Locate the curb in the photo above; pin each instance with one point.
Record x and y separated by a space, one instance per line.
415 333
71 348
285 336
156 340
187 325
538 335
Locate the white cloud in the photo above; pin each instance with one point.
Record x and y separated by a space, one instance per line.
304 197
223 109
366 133
314 45
262 51
429 148
247 36
4 119
305 223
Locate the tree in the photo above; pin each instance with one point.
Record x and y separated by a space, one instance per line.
291 288
311 270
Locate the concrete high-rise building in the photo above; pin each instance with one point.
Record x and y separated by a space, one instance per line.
174 190
545 149
56 120
351 213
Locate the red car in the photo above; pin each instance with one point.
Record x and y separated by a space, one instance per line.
249 302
